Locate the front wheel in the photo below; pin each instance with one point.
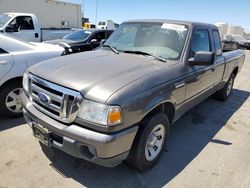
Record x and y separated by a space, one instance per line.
149 142
10 103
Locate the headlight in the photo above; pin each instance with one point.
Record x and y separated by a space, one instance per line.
100 113
26 82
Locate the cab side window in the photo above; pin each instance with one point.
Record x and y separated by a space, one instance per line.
99 36
108 34
200 41
22 23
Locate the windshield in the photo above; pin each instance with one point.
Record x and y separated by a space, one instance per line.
4 18
164 40
78 35
238 37
102 23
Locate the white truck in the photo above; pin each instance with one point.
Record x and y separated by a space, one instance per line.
26 27
108 24
15 57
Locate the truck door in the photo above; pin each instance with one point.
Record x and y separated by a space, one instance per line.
97 39
197 82
209 75
23 27
6 62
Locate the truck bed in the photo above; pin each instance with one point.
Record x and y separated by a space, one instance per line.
233 58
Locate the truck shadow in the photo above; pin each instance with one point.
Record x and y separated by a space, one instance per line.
8 123
188 138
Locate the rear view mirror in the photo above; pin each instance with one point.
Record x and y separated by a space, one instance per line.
202 58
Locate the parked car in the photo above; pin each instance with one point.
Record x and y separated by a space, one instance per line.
27 27
233 42
15 57
118 103
82 40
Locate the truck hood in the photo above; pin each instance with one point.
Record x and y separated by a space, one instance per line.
60 41
96 74
47 47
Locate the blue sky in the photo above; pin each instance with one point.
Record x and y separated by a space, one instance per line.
235 12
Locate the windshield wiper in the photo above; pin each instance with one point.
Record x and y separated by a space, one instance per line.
111 47
145 53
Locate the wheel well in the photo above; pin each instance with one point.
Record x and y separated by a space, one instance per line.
16 79
167 108
235 71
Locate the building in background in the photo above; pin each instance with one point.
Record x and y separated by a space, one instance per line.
247 36
222 27
235 30
51 13
226 29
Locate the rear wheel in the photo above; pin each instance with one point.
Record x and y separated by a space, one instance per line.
10 102
226 91
149 142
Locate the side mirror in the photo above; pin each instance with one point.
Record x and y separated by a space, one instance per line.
102 42
93 41
10 29
202 58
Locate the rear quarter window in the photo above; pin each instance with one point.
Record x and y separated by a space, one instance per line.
217 42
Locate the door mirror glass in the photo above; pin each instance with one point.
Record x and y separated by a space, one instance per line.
202 58
93 41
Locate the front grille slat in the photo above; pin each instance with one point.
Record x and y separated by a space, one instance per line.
52 96
62 104
50 106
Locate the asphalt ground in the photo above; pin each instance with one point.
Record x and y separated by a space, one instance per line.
208 147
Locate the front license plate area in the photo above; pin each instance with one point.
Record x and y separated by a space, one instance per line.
42 134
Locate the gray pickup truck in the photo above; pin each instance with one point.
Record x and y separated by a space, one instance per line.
119 102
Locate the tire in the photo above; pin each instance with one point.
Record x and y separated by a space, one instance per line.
140 156
226 91
10 103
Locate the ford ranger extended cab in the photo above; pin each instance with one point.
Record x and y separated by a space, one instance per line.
118 103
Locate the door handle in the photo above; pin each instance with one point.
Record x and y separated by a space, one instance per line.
179 84
3 62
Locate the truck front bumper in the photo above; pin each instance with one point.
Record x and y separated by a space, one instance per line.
104 149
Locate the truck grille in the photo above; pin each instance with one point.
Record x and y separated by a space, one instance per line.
56 101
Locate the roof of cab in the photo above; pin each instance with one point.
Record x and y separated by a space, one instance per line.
188 23
19 14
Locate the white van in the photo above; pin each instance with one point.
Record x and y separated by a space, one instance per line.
108 24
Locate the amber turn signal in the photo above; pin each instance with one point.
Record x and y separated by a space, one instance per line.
114 115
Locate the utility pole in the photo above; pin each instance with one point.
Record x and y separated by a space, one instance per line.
83 8
96 12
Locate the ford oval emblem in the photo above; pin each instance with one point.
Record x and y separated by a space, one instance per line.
43 97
